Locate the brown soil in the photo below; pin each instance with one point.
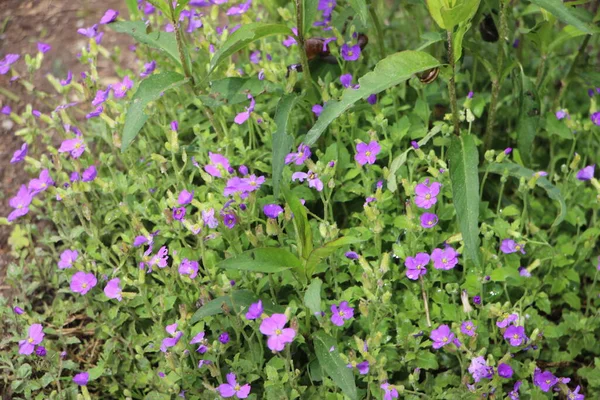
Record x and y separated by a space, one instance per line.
23 23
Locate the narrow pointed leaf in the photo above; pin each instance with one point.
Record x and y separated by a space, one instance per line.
265 260
164 41
360 8
333 365
236 301
464 175
282 140
564 14
301 223
328 249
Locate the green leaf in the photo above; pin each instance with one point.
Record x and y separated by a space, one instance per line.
235 90
426 360
150 89
529 117
461 13
282 140
236 301
518 172
265 260
132 8
435 10
303 229
312 296
181 4
564 13
388 72
310 9
164 41
569 32
360 8
333 365
464 159
503 273
244 36
328 249
457 40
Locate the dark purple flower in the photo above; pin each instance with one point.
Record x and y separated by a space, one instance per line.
90 32
477 300
109 16
350 53
544 380
43 47
240 9
415 266
342 313
298 158
95 113
224 337
148 69
20 203
326 6
101 96
367 153
346 80
18 310
587 173
65 82
255 310
372 99
229 220
470 95
468 328
515 335
178 213
243 170
83 282
595 117
505 371
279 335
317 109
40 351
233 388
36 113
81 379
514 394
7 61
272 210
509 246
20 154
6 110
351 255
199 338
89 174
479 369
429 220
363 367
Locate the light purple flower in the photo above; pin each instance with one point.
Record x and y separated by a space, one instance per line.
120 89
112 290
428 220
507 320
216 161
185 197
240 9
109 16
426 196
255 57
313 179
505 371
509 246
67 258
595 117
575 395
342 313
441 336
148 69
97 111
363 367
514 394
208 216
199 338
18 310
587 173
244 115
233 388
415 266
101 96
468 328
298 158
82 282
524 272
20 203
515 335
6 110
7 61
367 153
274 328
81 379
317 109
479 369
90 32
346 80
35 336
326 6
19 155
255 310
390 392
446 258
560 114
544 380
187 267
43 47
169 342
272 210
350 53
65 82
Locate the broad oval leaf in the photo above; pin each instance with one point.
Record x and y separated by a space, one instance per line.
312 296
326 250
164 41
389 72
462 12
244 36
282 140
435 10
464 175
236 301
563 13
517 171
333 365
149 90
265 260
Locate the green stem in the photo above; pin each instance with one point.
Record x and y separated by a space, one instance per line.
180 44
425 301
300 37
452 86
378 29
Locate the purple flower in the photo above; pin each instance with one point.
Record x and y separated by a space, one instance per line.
509 246
298 158
41 183
363 367
595 117
75 147
444 259
18 310
112 290
6 110
524 272
350 53
224 337
470 95
390 392
148 69
65 82
507 320
505 371
426 196
351 255
367 153
587 173
233 388
429 220
20 203
515 335
313 179
574 395
35 336
40 351
274 328
67 258
83 282
229 220
19 155
255 57
101 96
199 338
185 197
372 99
342 313
97 111
255 310
441 336
169 342
243 170
43 47
216 161
178 213
479 369
317 109
120 90
81 379
544 380
244 115
187 267
160 259
109 16
7 61
468 328
89 174
272 210
346 80
514 394
240 9
415 266
90 32
560 114
208 216
326 6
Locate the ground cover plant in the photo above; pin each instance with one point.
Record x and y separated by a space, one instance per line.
316 199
